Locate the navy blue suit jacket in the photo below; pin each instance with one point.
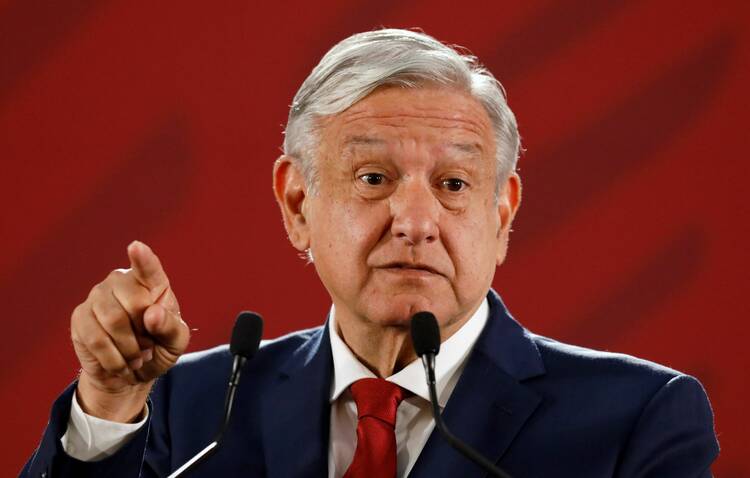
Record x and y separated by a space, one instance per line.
537 407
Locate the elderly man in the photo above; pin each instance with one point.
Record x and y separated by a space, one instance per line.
398 182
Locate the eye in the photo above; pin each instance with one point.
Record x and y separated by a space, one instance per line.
373 179
453 184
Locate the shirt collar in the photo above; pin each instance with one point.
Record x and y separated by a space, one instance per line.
449 363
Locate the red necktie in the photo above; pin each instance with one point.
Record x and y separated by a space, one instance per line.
377 401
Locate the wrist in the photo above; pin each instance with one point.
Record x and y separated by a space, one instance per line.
125 405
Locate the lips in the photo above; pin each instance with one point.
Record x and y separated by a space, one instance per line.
407 266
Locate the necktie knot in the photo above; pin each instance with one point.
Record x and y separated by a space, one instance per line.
377 401
377 398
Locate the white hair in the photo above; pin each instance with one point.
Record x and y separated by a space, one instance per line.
356 66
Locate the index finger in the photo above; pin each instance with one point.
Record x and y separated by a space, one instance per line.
147 268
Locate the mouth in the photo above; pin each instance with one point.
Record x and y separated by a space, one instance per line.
409 268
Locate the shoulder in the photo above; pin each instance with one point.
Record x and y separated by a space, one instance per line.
188 401
270 356
202 377
614 381
562 358
206 372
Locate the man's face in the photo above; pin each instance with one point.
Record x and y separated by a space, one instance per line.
405 215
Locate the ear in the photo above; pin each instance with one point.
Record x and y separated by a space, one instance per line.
507 206
290 190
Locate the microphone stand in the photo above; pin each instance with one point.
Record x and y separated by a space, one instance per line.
428 360
234 380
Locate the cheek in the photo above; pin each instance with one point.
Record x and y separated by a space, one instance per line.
472 242
347 231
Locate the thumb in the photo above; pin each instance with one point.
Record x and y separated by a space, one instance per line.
147 268
167 329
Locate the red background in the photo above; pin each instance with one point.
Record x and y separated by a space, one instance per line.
161 120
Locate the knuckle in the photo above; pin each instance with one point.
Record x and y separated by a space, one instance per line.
116 274
109 317
135 300
97 291
97 343
77 313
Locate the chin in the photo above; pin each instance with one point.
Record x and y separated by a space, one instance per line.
398 310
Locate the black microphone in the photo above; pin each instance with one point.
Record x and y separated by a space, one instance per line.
425 336
248 329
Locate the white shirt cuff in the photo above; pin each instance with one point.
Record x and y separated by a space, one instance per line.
89 438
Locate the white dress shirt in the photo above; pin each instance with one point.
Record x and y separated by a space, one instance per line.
89 438
414 421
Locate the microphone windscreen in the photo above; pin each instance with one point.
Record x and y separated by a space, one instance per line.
425 333
248 329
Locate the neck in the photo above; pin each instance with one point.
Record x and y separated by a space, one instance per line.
384 349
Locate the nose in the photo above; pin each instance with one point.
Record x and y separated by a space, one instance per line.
415 211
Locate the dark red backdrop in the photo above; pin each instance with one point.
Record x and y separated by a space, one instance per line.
161 120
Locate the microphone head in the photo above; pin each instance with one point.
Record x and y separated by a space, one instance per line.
425 333
248 329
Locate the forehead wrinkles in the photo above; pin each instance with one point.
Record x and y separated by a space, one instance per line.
371 130
416 114
437 107
403 120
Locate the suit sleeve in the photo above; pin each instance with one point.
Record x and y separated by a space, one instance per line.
50 459
674 436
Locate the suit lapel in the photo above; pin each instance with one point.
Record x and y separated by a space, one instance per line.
296 412
489 405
